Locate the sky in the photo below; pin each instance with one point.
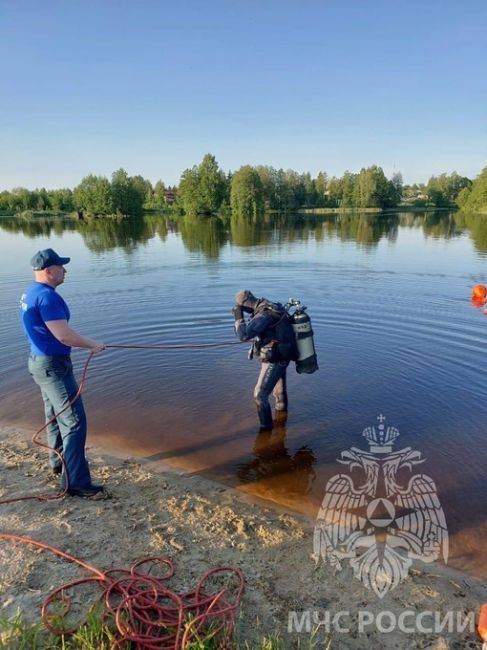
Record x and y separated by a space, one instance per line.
312 85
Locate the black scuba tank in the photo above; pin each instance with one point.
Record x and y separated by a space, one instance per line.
301 324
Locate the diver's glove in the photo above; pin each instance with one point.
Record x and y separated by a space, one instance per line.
237 312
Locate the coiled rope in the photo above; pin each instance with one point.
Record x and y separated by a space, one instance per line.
145 613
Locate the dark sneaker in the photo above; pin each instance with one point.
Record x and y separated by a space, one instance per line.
88 492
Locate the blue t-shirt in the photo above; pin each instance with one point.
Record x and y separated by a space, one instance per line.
41 303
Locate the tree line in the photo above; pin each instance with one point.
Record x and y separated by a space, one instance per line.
122 195
205 189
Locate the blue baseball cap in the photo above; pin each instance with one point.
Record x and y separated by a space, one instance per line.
47 257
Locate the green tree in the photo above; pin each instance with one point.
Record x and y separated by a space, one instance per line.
295 190
61 200
159 200
23 199
188 191
267 177
335 192
212 185
128 194
373 190
348 190
395 190
321 186
443 190
247 193
365 193
94 194
143 188
202 189
474 197
42 202
5 202
284 195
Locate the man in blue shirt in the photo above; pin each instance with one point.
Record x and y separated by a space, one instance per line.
45 317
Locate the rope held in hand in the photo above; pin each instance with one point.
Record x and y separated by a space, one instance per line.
72 400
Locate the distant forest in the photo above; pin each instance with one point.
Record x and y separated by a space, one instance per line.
250 191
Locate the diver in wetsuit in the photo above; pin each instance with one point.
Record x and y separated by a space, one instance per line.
274 344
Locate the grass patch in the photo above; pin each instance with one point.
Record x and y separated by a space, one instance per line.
15 634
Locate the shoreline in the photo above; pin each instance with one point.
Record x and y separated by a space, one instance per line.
156 509
32 215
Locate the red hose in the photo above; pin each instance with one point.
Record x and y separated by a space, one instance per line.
144 611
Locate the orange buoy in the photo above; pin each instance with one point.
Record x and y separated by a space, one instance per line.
477 302
482 626
479 292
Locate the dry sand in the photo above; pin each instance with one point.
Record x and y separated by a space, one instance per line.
199 524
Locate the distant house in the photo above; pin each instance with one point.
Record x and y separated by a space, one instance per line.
170 195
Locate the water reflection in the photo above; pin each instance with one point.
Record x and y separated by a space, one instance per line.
248 231
37 226
101 235
205 235
210 235
477 225
275 467
439 225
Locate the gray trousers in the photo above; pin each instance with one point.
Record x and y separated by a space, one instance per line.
67 433
272 379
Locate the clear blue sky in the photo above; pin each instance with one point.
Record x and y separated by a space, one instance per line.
152 85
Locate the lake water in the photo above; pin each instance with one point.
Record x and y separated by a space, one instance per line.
389 299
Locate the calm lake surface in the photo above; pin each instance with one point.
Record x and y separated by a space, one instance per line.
389 299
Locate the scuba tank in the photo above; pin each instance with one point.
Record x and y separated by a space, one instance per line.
301 324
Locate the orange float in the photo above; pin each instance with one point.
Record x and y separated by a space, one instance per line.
479 292
482 626
479 296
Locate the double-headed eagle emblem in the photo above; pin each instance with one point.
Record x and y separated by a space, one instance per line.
384 521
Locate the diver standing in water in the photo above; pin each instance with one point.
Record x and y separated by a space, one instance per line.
273 342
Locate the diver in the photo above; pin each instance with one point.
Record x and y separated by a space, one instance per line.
273 342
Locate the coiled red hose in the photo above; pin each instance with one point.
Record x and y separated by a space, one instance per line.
146 614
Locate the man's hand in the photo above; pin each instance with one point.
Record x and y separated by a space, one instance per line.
237 312
97 347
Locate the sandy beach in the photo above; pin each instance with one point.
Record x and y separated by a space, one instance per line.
157 510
